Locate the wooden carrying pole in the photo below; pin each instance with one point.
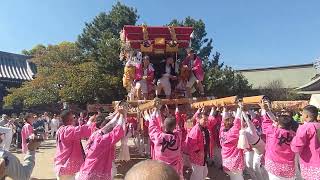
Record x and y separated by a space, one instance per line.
254 99
216 102
151 104
230 101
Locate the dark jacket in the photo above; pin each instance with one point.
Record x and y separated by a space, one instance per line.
160 69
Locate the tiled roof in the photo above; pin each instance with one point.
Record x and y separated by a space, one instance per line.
15 67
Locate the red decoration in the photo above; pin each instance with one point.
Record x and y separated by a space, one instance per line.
134 35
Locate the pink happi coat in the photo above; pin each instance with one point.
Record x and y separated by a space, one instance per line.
140 73
232 156
212 124
195 144
167 146
100 154
26 131
196 67
307 144
279 158
181 119
216 131
70 154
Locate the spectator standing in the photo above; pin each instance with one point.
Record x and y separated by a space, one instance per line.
54 125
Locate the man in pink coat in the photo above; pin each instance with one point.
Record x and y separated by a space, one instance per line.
70 154
307 144
26 131
279 158
198 144
232 156
167 143
100 148
194 64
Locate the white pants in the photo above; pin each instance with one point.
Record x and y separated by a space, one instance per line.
164 83
142 84
297 167
53 130
274 177
235 175
113 170
259 170
249 155
198 172
66 177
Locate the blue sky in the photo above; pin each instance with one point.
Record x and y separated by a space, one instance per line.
248 33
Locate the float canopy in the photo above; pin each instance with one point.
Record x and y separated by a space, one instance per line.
160 40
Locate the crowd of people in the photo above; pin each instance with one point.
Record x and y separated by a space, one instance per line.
18 127
263 144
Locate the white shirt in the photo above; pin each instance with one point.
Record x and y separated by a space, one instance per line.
54 122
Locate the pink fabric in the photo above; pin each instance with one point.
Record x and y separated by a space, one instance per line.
69 155
232 156
279 157
216 133
307 144
100 154
195 145
196 68
181 119
212 121
167 146
150 75
26 131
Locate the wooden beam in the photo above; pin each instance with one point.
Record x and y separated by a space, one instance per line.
132 103
216 102
151 104
254 99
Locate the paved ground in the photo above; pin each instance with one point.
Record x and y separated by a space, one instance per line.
44 164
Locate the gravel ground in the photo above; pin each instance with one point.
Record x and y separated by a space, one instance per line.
44 163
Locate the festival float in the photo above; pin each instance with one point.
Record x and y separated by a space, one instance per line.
158 43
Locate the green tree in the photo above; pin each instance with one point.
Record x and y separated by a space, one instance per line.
63 75
200 43
100 38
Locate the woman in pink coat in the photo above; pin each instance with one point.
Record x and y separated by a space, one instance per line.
194 64
144 78
307 144
26 131
100 148
279 158
70 154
